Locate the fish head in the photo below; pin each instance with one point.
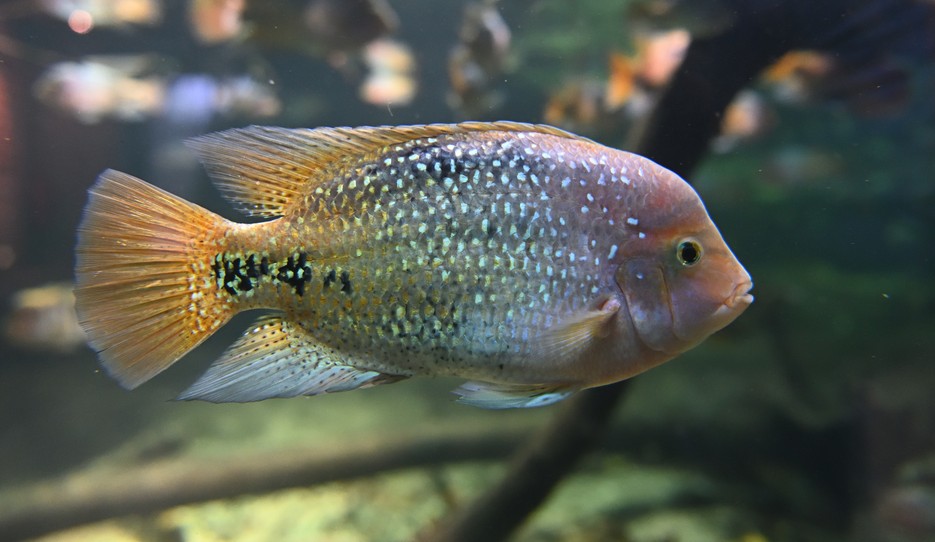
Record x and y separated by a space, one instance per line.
680 280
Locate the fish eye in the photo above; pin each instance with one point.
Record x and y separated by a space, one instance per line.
688 252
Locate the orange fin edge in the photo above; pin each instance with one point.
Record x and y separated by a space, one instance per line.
135 294
263 170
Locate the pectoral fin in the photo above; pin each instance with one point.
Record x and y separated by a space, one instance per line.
498 396
575 333
278 358
565 340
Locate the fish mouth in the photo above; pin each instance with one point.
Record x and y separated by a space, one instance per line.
738 300
741 296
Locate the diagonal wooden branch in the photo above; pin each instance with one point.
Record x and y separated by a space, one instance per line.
676 135
87 497
535 470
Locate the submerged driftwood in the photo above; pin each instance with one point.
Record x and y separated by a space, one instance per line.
95 495
535 470
676 135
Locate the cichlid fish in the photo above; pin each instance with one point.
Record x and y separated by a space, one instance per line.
530 261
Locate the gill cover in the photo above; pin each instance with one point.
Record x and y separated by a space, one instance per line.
644 286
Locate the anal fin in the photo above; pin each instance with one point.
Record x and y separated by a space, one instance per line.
278 358
499 396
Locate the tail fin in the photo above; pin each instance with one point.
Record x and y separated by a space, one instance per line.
143 292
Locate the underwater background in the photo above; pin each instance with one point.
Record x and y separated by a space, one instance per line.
807 128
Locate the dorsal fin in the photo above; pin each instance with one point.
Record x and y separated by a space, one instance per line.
263 169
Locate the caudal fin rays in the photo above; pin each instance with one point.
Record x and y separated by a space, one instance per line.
137 246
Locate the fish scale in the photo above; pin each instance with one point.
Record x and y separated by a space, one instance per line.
451 226
529 260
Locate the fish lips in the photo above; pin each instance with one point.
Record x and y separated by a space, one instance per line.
735 303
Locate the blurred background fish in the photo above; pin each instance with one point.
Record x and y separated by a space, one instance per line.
43 318
807 126
84 15
94 90
477 62
581 104
347 25
633 80
747 117
133 87
700 18
334 30
793 74
659 54
858 54
391 78
217 21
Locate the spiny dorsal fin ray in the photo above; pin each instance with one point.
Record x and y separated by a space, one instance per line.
278 358
263 169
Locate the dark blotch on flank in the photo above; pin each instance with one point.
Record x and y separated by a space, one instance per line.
295 272
345 282
329 278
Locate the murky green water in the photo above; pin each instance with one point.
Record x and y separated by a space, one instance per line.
810 418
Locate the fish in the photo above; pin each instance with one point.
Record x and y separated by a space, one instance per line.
388 88
42 318
798 64
347 25
659 54
121 88
486 36
702 18
870 88
621 82
116 13
94 90
336 31
747 117
478 60
527 260
579 104
391 67
627 96
216 21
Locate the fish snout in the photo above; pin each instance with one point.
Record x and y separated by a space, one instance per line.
740 297
708 299
735 303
